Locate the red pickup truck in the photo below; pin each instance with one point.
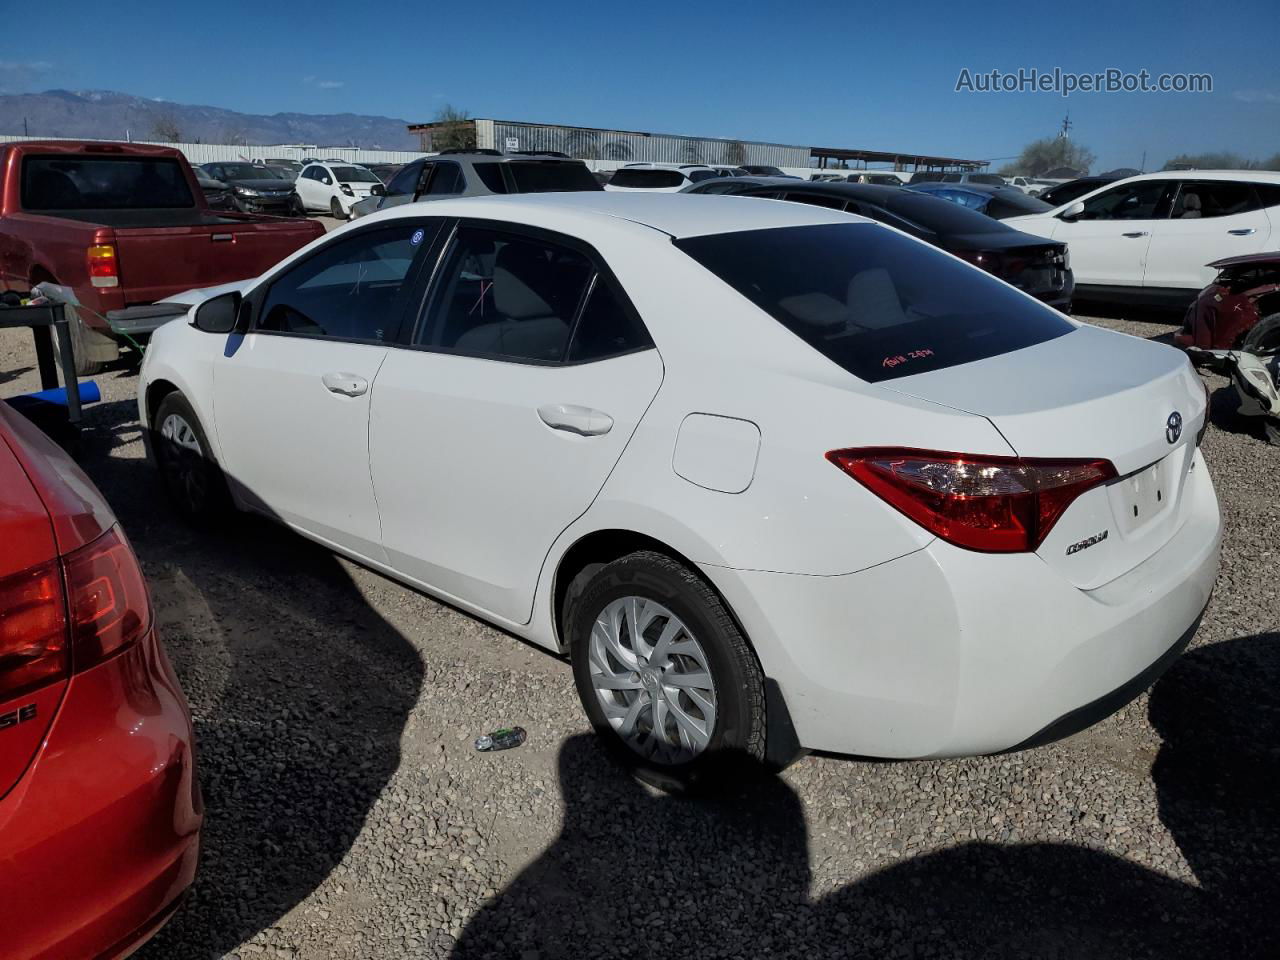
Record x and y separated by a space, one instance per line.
116 225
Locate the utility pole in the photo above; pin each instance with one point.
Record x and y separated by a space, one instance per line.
1143 168
24 127
1065 132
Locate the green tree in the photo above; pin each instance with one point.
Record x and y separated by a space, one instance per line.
1272 163
1040 156
457 131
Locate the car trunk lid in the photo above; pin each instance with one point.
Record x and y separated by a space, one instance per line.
1091 394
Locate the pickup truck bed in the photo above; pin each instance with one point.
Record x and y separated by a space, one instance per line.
112 226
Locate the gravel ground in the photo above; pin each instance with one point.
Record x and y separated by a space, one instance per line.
349 816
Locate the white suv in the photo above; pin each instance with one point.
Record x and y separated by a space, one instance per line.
660 177
1149 238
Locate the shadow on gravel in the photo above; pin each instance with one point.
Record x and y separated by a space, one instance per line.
300 692
634 875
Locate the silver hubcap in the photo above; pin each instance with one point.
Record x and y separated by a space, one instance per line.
176 430
652 680
184 459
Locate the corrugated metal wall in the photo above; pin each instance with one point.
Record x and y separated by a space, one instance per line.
624 146
215 152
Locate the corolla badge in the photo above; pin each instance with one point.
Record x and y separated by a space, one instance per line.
1173 427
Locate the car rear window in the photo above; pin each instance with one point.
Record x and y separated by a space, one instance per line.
877 303
533 177
60 182
941 216
649 179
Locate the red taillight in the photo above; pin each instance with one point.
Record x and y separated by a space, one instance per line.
107 598
33 630
104 269
992 504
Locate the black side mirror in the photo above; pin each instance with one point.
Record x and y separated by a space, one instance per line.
378 190
218 314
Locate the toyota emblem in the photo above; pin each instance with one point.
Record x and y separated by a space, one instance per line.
1173 427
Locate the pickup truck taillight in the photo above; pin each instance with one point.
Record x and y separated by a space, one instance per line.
104 269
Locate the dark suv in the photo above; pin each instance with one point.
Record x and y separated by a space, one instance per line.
478 175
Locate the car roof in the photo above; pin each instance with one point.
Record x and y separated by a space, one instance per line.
1256 176
675 214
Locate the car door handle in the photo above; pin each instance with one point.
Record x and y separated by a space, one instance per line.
574 419
1135 233
1242 231
347 384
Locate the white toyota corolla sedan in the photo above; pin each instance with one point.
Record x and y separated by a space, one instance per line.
775 478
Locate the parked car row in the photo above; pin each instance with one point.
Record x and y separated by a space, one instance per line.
802 465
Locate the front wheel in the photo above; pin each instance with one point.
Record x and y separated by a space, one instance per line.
665 675
190 474
335 209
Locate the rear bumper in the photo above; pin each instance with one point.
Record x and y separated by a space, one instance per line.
947 652
100 838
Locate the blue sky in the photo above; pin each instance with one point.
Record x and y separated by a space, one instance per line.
879 76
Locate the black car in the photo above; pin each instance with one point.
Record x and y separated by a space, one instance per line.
216 193
1072 190
765 170
256 189
1039 267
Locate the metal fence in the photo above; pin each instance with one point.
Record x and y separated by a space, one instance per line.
223 152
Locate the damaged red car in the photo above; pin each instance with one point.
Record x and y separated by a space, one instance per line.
100 809
1240 309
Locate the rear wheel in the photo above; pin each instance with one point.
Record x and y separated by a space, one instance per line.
1264 337
190 474
665 675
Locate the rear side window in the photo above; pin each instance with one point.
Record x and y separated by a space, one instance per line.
607 327
103 183
879 304
490 175
531 177
648 179
446 180
507 296
1268 193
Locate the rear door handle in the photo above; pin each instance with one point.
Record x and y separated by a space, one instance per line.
571 418
347 384
1242 231
1135 233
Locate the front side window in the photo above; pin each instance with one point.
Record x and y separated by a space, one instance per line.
351 290
405 183
1133 201
877 303
447 180
507 296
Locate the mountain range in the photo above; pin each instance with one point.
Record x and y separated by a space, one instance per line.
109 115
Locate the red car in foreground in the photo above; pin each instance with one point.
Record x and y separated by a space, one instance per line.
100 810
1245 292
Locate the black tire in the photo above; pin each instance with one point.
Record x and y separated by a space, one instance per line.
192 478
335 209
296 209
736 748
1264 337
85 365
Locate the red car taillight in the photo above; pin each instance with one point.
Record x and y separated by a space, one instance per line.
99 587
992 504
33 630
104 269
107 599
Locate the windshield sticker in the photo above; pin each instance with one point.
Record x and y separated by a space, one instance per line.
900 358
417 236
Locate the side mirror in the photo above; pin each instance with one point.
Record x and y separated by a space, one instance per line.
326 181
378 190
1072 211
218 314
